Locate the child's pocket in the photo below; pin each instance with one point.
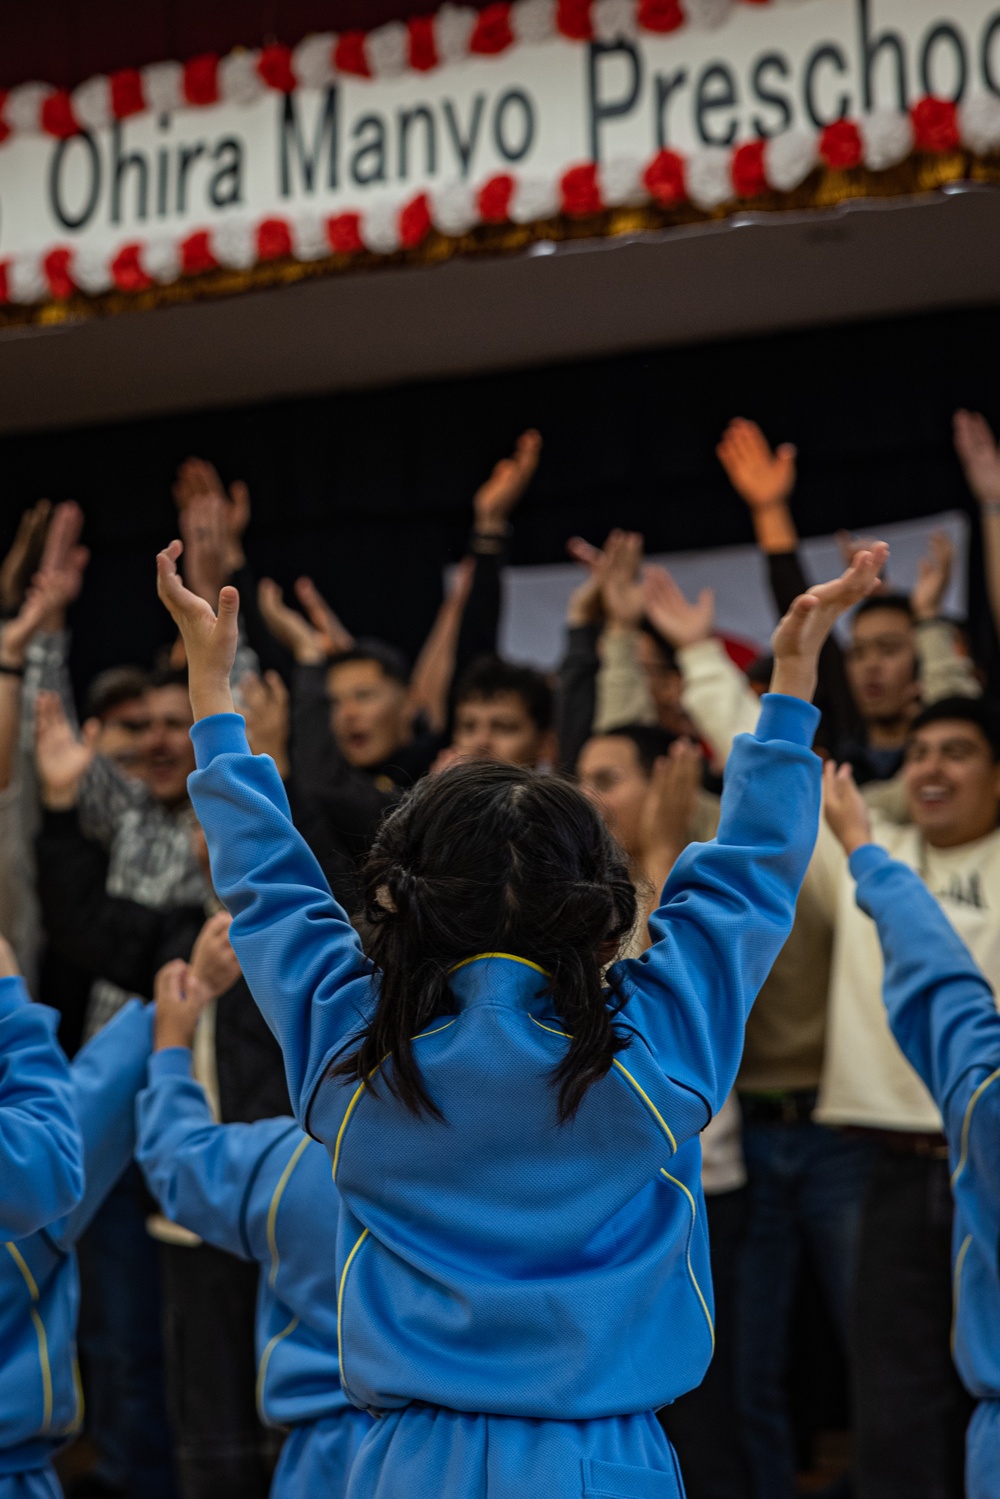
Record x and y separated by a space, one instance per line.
616 1481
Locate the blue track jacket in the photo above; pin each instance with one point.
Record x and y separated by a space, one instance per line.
264 1192
944 1016
499 1261
40 1403
41 1156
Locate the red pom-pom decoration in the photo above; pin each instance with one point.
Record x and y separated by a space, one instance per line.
196 254
841 146
274 240
494 198
660 15
201 79
423 48
127 97
935 125
126 268
349 55
492 32
58 118
275 67
749 180
4 293
344 233
56 267
415 222
664 179
581 194
573 20
4 127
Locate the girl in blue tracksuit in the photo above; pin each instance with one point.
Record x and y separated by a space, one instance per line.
41 1155
943 1013
262 1191
40 1402
522 1267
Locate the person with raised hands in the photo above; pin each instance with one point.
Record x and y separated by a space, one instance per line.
942 1011
261 1192
488 1252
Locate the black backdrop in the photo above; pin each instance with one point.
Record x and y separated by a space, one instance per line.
369 491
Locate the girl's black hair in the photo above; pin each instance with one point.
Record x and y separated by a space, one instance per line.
493 858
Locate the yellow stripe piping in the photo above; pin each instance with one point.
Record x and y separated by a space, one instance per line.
77 1418
272 1212
265 1359
40 1335
356 1096
694 1278
963 1159
510 957
957 1288
651 1106
340 1307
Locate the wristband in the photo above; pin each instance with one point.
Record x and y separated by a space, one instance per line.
489 543
11 671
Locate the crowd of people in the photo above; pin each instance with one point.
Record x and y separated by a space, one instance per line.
196 1268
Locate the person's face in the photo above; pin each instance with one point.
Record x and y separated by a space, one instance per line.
612 775
167 751
119 735
498 728
952 783
370 713
882 664
665 685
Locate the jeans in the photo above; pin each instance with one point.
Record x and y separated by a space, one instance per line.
912 1411
122 1346
807 1186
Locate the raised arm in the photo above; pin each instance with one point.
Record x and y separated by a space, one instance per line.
729 905
945 671
41 1153
979 456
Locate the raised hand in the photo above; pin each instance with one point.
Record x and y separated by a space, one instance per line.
844 807
21 562
213 962
180 997
63 561
933 577
669 809
979 456
496 498
198 480
204 533
586 606
309 646
678 621
336 637
800 636
759 475
45 596
60 757
210 639
621 589
265 708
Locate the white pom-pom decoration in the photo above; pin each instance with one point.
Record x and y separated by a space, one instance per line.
979 122
887 135
789 158
454 210
388 49
614 20
92 103
534 198
309 240
161 259
379 227
26 279
163 86
91 270
23 109
239 81
312 60
621 182
234 244
709 181
706 15
453 26
533 21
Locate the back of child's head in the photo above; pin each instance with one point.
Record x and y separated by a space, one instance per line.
491 858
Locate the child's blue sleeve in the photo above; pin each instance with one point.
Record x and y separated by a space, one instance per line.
298 951
107 1074
41 1153
728 907
201 1173
941 1008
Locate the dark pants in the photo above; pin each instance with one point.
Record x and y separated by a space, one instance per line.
912 1412
807 1186
121 1346
222 1450
703 1425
